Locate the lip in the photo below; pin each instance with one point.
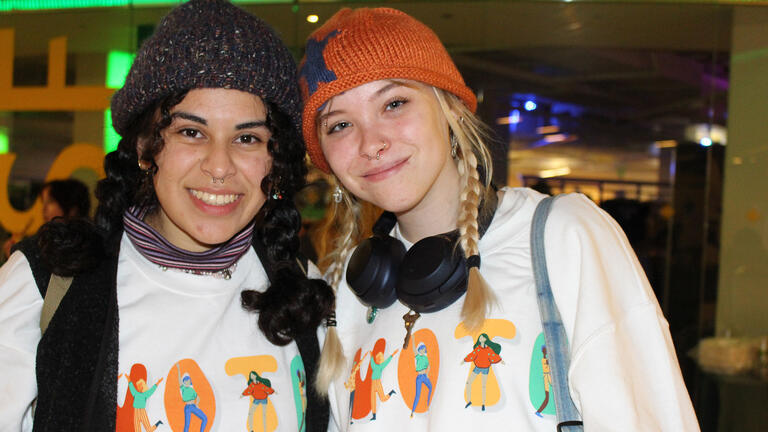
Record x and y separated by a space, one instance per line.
379 173
215 210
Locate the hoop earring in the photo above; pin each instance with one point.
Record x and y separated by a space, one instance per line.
146 168
338 194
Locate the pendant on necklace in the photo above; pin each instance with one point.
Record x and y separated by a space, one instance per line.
410 319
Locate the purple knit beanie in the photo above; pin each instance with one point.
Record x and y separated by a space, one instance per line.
209 44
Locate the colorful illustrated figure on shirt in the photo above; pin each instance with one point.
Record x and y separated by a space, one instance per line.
422 369
351 383
540 379
378 363
190 404
191 400
485 391
302 382
125 412
547 380
299 381
259 389
141 394
418 367
484 354
251 371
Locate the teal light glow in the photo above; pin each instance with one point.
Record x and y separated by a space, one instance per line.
31 5
118 65
3 140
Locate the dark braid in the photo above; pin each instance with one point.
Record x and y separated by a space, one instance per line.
293 304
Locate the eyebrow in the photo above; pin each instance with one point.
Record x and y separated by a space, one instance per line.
202 121
251 124
384 89
190 117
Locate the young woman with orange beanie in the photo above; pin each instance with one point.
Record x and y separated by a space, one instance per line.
389 116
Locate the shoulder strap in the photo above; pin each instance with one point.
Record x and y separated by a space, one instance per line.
57 289
568 417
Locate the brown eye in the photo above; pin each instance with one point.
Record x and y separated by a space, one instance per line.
249 139
189 133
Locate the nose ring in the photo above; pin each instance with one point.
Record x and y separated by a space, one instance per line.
378 153
219 179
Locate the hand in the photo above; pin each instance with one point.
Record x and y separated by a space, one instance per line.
395 352
159 381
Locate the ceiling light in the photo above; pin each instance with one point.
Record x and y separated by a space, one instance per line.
312 18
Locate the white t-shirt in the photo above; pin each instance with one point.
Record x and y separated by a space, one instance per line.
624 374
172 325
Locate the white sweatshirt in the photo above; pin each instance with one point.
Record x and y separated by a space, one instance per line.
624 375
171 324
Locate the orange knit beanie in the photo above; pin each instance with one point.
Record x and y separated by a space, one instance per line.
358 46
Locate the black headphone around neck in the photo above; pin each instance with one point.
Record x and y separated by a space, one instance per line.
429 277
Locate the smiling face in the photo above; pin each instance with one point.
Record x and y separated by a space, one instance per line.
400 121
216 134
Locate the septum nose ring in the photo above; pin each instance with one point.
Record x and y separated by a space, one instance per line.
219 179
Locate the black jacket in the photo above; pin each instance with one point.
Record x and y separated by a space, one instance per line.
77 356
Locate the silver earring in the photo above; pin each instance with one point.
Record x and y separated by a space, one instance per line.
338 194
454 146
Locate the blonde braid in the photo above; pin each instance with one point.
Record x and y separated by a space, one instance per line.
469 135
332 359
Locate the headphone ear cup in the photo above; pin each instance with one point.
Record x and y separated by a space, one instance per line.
433 274
373 269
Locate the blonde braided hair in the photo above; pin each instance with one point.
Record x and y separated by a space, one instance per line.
470 135
346 214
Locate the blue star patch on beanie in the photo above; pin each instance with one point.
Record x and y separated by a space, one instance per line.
314 69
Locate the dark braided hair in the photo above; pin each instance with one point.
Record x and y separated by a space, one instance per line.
292 305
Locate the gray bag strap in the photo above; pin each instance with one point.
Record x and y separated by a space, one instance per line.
568 418
57 289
